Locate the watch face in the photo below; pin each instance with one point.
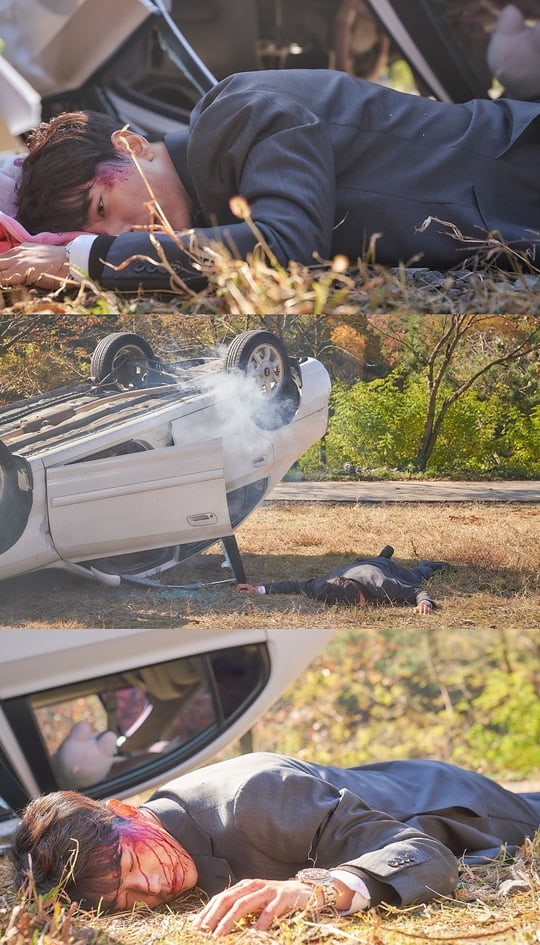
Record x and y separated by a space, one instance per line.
314 875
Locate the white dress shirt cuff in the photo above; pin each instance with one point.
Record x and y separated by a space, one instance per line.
261 589
361 899
78 254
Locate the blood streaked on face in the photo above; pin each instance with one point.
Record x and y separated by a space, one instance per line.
153 865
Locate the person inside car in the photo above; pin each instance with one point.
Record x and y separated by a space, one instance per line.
364 581
265 835
325 163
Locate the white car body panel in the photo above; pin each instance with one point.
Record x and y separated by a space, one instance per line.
58 44
20 104
136 502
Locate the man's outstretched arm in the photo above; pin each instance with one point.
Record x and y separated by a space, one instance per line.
268 900
274 587
130 261
424 603
372 857
122 263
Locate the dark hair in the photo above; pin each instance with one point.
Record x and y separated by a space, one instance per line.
64 154
339 590
69 841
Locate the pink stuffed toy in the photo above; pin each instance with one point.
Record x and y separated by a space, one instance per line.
84 758
514 54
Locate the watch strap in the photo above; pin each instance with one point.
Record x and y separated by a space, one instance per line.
323 883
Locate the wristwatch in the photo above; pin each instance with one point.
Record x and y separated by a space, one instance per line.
323 881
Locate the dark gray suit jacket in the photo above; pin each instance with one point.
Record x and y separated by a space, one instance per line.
326 161
396 824
383 581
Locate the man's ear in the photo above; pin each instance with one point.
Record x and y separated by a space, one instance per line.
127 142
122 810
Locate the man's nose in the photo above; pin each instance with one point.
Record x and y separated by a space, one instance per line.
154 880
144 883
103 229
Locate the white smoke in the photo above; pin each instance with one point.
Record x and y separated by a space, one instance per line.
241 411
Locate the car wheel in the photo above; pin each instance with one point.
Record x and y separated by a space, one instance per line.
15 496
262 357
123 359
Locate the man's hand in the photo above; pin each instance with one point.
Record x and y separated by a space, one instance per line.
34 264
265 898
247 589
425 607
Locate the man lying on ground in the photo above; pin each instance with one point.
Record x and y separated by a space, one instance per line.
328 164
268 835
364 581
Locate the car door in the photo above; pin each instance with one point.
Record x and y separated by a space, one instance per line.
247 450
139 501
425 33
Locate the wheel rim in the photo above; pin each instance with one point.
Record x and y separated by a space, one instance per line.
265 367
130 367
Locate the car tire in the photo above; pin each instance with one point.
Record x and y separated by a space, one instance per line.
123 359
262 357
16 497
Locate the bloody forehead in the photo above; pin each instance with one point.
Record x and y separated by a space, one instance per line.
145 834
109 173
138 831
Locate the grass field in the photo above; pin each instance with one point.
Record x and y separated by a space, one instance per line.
493 550
499 904
489 609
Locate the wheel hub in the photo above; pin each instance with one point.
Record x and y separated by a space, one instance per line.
265 369
130 368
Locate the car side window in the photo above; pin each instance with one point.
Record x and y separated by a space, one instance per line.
109 732
105 728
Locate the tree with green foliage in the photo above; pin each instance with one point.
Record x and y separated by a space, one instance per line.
452 353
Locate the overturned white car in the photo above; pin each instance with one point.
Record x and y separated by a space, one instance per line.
148 462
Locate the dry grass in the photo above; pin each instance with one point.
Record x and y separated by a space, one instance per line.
493 549
260 286
497 903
